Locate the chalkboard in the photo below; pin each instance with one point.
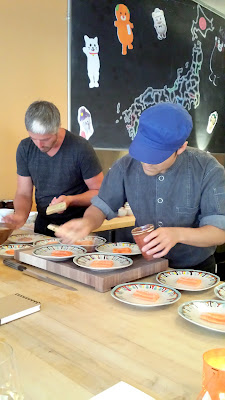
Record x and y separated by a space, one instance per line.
168 51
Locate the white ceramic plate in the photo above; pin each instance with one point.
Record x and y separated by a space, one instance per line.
111 248
43 242
25 238
5 249
118 261
96 241
46 251
193 311
132 292
206 280
220 291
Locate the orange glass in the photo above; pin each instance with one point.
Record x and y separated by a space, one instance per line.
139 234
213 381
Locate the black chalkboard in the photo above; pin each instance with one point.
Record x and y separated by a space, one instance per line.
181 60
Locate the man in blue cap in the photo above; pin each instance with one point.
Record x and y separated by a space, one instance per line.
181 190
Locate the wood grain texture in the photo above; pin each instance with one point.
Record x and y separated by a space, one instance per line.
101 281
117 223
83 342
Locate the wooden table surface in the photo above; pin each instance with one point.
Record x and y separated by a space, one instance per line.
117 223
83 342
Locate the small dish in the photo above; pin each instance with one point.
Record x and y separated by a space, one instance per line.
220 291
43 242
25 238
115 262
209 314
90 242
8 250
52 252
119 248
145 294
188 279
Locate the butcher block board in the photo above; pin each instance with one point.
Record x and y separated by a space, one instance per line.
101 281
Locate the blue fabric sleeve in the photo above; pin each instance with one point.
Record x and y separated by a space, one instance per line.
21 161
111 195
213 197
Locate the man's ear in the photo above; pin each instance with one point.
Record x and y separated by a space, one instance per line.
182 148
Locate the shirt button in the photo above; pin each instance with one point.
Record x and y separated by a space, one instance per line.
161 178
160 223
160 200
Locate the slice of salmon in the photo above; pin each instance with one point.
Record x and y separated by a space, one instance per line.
216 318
122 250
148 296
61 253
194 282
84 242
102 263
26 239
11 251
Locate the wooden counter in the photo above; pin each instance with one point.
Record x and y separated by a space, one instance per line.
117 223
83 342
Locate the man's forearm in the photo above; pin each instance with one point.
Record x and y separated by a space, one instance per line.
204 236
83 199
94 216
22 205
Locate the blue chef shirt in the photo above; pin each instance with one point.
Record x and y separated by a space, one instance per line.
191 193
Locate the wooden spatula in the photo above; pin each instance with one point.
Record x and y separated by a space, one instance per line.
55 208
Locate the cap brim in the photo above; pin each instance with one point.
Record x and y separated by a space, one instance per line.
141 151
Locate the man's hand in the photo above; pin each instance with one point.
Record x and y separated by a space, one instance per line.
74 230
60 199
15 221
160 241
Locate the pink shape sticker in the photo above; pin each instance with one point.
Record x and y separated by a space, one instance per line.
202 23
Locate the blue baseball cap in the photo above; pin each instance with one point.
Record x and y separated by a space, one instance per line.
162 130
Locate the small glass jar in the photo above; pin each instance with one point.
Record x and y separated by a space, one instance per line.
139 233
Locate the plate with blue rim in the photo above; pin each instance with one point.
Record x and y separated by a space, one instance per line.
58 252
98 262
7 250
145 294
25 238
119 247
220 291
188 279
209 314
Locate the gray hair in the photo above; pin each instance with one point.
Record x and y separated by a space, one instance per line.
42 117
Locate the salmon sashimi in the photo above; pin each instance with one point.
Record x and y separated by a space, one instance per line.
11 252
148 296
122 250
216 318
85 242
61 253
102 263
26 239
195 282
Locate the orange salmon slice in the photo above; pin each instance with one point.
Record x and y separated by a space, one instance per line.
195 282
149 296
61 253
216 318
25 239
102 263
122 250
11 251
85 242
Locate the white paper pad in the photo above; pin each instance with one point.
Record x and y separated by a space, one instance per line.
122 391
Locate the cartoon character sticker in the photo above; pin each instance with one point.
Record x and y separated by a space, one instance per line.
91 50
124 27
159 23
217 63
85 122
212 121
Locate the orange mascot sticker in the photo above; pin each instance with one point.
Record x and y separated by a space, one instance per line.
124 27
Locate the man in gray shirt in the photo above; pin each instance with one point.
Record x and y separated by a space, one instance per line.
61 166
180 190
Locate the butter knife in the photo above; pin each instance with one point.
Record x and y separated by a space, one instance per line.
19 267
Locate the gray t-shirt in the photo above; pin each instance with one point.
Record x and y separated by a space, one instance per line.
64 173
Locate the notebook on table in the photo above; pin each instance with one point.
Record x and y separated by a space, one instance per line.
16 306
122 391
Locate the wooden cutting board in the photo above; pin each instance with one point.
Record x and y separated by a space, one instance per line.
101 281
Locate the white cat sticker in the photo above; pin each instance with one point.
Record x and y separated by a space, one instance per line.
159 23
91 50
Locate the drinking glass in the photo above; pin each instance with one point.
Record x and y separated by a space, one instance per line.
139 233
9 382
